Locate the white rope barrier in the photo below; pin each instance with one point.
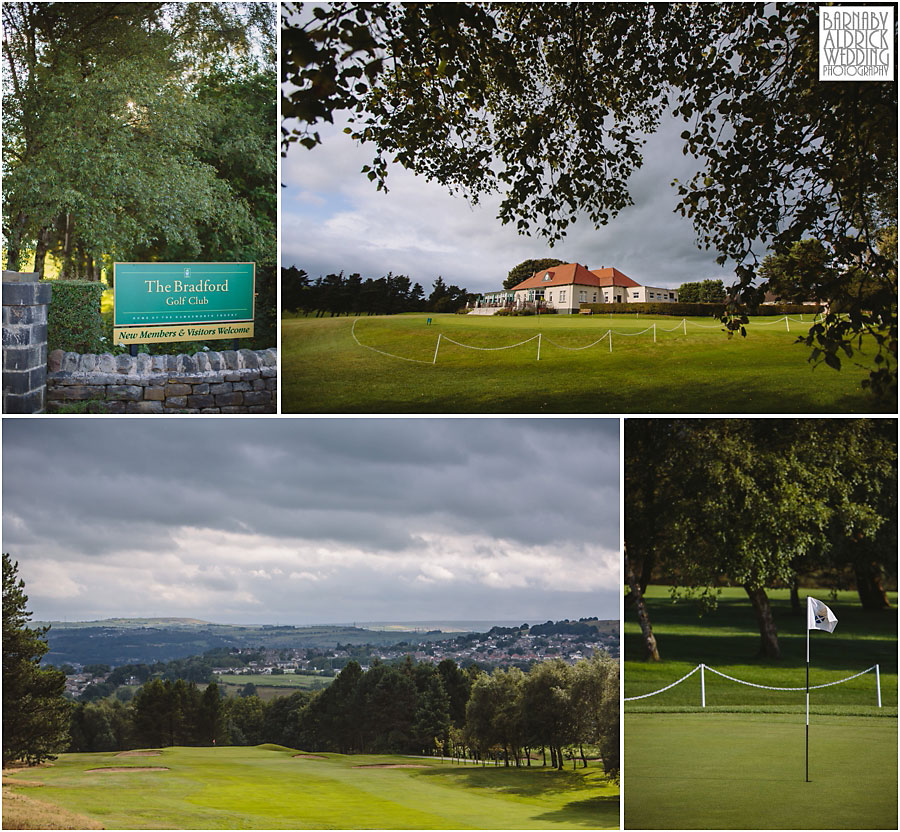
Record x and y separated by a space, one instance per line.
642 332
490 349
587 347
645 695
607 335
701 667
390 354
767 687
680 326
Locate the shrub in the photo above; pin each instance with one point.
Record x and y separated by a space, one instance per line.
74 322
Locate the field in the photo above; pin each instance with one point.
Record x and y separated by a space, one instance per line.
268 686
325 370
740 762
270 787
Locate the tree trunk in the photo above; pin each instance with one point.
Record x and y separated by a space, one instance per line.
651 651
869 586
581 751
40 252
768 634
544 754
796 609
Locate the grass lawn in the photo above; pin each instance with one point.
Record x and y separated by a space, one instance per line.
324 370
739 763
746 771
268 787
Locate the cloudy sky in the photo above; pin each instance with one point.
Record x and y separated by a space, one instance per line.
333 220
300 521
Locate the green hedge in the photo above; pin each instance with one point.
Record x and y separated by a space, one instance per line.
74 323
695 310
682 310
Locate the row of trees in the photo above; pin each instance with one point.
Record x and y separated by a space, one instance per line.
138 131
337 294
408 708
761 503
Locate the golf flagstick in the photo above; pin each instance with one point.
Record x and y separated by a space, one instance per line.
807 693
818 617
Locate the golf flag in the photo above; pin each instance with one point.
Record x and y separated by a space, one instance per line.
819 616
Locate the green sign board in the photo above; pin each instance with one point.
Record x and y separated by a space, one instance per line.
183 301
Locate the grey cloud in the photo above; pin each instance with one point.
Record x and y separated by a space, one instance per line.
87 491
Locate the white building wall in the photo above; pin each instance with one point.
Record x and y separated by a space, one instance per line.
651 294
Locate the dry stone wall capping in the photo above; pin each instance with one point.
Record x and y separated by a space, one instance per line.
230 381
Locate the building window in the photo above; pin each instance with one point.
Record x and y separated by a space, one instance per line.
550 297
562 295
548 276
595 298
582 297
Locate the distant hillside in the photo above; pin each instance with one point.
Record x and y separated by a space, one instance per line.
120 641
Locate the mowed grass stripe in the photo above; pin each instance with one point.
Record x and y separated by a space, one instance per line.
740 771
325 370
269 788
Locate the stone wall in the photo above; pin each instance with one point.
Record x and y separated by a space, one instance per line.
231 381
25 302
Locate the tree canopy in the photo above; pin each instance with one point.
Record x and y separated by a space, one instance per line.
138 131
704 291
35 714
526 269
549 105
761 503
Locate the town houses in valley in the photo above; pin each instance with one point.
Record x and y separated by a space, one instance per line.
564 288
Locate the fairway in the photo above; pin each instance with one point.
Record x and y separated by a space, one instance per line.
746 771
270 787
739 763
398 364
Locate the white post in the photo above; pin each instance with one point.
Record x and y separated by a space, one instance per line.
702 686
878 683
539 347
684 325
609 333
787 325
654 333
807 690
436 348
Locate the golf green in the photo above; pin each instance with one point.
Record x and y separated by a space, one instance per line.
398 364
270 787
747 771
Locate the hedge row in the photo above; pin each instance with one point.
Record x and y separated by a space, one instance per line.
695 310
74 322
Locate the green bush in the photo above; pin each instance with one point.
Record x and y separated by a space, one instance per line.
74 322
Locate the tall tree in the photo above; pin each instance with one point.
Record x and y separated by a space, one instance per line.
120 131
526 269
35 714
519 99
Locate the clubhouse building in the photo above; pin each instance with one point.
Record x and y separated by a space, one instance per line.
564 288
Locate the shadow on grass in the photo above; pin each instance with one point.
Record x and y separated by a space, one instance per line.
593 813
533 780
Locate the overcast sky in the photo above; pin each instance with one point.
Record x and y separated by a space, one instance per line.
333 220
299 521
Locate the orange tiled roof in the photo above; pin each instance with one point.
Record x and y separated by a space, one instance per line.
569 273
613 277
